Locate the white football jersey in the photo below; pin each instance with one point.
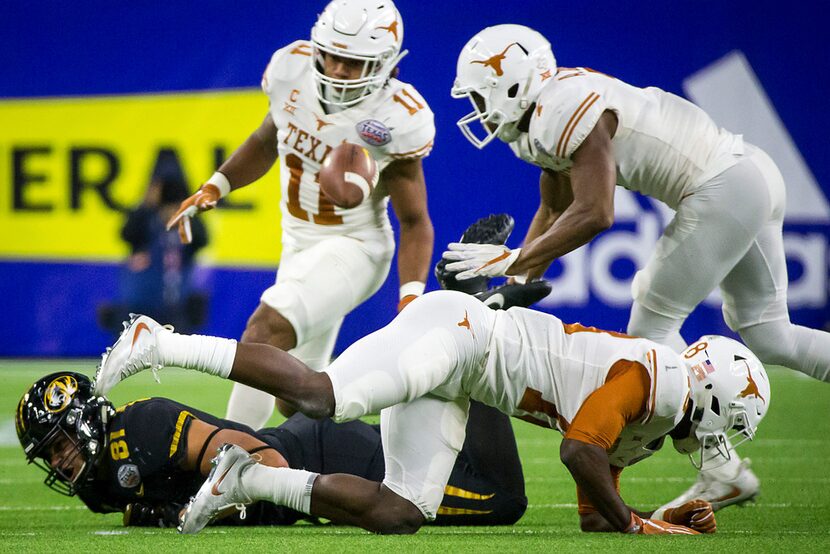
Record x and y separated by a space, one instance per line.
543 370
665 146
393 123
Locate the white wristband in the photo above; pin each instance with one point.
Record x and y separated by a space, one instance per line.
659 513
221 182
415 288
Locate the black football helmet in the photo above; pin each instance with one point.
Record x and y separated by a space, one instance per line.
63 405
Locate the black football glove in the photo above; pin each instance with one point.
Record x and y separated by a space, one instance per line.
139 514
507 296
493 229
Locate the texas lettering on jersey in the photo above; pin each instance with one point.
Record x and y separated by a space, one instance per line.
393 123
306 144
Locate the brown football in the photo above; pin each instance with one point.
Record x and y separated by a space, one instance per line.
348 175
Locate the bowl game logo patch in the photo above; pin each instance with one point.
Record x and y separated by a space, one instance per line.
128 476
373 132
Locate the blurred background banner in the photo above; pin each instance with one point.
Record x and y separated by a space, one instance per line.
76 164
94 94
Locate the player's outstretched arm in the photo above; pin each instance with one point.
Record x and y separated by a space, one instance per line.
404 179
592 433
248 163
593 179
254 157
588 464
555 195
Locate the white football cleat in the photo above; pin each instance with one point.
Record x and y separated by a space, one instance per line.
720 491
221 493
135 350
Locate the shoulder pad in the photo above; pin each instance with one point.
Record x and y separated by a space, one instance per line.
567 110
287 64
410 121
669 383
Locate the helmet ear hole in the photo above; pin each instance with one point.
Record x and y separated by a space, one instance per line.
715 405
513 91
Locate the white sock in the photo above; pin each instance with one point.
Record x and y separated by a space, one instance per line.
280 485
211 355
250 406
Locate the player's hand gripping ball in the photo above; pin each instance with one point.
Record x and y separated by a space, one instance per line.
348 175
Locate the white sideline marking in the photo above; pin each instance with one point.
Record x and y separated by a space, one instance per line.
8 436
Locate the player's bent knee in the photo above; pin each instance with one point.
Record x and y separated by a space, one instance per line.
284 408
399 522
268 326
314 395
513 511
394 515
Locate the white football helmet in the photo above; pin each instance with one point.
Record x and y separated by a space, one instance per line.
501 70
730 395
370 31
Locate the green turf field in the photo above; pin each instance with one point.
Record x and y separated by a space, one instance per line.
793 513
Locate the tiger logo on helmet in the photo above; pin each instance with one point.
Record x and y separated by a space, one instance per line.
59 393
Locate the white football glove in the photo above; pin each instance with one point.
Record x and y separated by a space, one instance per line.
479 260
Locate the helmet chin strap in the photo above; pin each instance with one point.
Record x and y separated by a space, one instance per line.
509 132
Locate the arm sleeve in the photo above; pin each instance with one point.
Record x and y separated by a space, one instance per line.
621 400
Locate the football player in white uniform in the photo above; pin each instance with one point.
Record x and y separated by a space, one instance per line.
614 397
337 87
589 132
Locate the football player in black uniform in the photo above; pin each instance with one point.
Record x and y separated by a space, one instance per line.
148 457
